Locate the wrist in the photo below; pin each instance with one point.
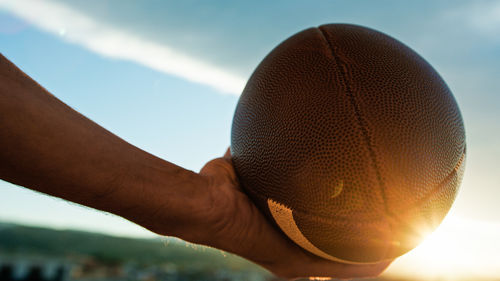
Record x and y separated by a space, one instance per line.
168 200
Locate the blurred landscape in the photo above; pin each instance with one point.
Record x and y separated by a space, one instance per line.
42 254
34 253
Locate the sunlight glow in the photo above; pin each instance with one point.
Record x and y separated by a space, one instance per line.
78 28
459 249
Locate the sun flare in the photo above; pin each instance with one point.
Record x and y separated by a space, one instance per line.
459 249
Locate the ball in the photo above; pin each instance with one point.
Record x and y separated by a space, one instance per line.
349 142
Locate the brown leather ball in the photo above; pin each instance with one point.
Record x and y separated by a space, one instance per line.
350 142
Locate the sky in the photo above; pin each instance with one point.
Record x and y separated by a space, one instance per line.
166 76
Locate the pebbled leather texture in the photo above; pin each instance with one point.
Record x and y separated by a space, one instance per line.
354 132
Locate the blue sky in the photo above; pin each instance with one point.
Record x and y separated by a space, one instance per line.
166 75
183 122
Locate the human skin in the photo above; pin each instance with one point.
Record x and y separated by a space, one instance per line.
48 147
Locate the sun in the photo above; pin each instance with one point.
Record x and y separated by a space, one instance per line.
458 250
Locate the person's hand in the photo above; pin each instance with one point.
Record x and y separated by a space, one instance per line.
237 226
49 147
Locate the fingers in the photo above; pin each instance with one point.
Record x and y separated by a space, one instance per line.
298 263
326 269
221 169
227 155
359 271
286 259
215 165
289 260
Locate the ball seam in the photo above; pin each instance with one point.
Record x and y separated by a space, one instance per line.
342 67
357 112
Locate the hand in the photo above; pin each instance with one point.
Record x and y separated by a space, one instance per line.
66 155
237 226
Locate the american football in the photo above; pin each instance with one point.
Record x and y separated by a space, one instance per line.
349 142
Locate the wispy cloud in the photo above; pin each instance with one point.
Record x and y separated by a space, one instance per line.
483 16
76 27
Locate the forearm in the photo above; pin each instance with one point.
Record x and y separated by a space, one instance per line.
49 147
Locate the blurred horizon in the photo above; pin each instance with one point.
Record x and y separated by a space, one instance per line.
166 75
168 257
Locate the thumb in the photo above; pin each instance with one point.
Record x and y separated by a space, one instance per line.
227 155
219 166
